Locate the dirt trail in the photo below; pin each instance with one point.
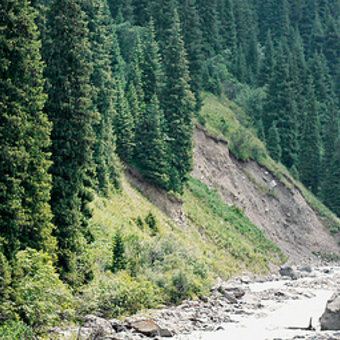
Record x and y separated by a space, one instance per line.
283 214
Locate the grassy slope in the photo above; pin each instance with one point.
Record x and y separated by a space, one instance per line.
171 264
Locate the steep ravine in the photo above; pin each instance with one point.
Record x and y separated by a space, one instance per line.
281 213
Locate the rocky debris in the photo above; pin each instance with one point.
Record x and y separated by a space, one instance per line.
95 327
330 320
289 271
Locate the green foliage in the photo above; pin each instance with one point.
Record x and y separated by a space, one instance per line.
41 298
70 108
16 330
103 40
25 214
178 104
273 143
151 221
118 253
113 295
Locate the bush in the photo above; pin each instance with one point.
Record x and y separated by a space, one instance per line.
111 295
16 330
151 221
41 298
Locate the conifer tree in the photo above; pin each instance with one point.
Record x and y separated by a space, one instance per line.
192 37
101 39
152 73
273 143
267 66
135 72
70 108
118 253
150 152
25 213
331 185
178 105
124 125
209 27
310 145
227 24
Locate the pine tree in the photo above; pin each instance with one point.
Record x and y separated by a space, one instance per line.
25 213
227 24
331 185
124 125
150 153
70 108
192 37
209 27
118 253
267 66
273 143
310 145
178 105
135 72
102 35
152 73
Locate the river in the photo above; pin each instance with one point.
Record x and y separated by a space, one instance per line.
305 298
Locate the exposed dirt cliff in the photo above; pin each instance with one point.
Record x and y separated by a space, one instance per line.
282 213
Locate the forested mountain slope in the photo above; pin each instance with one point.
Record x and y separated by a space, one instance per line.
90 87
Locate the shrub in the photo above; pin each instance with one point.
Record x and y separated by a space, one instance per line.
151 221
16 330
40 296
111 295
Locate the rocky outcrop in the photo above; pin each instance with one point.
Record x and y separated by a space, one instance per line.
330 320
167 203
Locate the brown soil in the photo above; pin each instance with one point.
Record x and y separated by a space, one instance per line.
282 213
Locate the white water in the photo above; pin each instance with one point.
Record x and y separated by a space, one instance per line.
273 320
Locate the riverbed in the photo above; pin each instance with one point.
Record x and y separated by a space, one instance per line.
279 309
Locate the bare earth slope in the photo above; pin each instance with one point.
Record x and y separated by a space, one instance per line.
282 213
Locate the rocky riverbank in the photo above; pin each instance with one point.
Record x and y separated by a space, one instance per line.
233 308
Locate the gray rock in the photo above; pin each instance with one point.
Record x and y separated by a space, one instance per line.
330 319
150 328
95 327
288 271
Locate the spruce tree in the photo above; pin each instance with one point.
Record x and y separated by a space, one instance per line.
118 253
192 37
151 67
70 108
273 143
102 38
310 145
331 185
150 152
178 105
25 213
124 124
267 65
209 27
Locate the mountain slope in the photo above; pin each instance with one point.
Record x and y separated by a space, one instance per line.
269 196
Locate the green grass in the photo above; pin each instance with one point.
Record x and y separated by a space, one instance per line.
168 263
225 119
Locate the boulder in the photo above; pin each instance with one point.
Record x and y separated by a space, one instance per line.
150 328
96 327
288 271
330 319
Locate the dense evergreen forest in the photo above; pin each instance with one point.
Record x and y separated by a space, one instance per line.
86 84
